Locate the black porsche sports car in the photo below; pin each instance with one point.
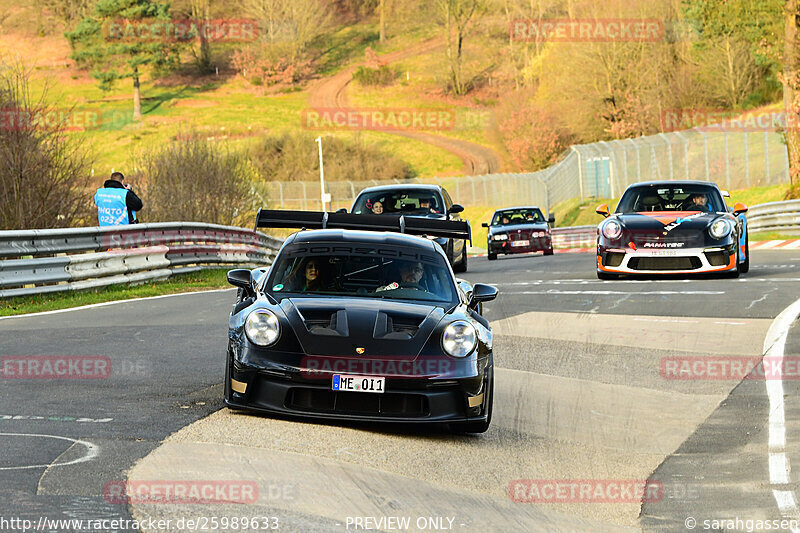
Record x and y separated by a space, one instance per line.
516 230
672 227
417 200
366 324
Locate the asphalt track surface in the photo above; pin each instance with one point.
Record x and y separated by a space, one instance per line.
582 394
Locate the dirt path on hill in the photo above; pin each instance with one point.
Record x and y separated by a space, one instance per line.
332 93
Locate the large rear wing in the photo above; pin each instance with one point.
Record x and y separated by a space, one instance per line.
454 229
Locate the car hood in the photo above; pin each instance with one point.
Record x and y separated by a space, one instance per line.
538 226
337 326
667 221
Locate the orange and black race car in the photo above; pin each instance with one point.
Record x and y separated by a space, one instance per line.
672 227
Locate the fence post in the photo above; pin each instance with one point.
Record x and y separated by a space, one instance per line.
746 160
280 191
580 171
685 153
303 183
766 156
727 159
669 148
705 146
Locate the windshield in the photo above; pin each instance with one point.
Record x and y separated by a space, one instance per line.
517 216
671 198
362 270
400 202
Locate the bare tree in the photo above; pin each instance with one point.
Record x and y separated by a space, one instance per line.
456 15
44 178
791 84
289 25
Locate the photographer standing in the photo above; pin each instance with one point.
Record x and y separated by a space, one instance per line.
116 202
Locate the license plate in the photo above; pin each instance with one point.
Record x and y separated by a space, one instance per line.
662 253
344 382
520 243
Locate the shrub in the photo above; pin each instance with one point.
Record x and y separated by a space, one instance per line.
531 134
381 76
295 157
44 176
196 180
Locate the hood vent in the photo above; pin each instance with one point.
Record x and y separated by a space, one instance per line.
326 323
395 326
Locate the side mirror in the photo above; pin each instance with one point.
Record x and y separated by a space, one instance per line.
551 219
482 293
455 208
485 225
342 210
239 277
602 209
739 208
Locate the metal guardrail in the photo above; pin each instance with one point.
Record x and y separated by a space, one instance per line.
574 237
783 217
54 260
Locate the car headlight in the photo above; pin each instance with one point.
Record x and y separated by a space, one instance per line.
262 327
500 237
459 339
612 230
721 228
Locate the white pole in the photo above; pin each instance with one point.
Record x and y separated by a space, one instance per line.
321 174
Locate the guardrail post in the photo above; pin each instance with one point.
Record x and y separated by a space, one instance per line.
727 159
705 146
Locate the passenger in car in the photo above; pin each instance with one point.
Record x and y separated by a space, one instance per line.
311 275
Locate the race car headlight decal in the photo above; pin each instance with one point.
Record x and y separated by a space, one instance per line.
459 339
720 229
500 237
612 230
262 327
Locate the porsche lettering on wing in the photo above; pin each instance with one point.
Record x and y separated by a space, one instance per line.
664 244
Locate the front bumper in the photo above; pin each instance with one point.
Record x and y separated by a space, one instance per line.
684 261
292 391
506 247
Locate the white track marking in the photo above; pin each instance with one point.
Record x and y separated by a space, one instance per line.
779 467
770 244
92 451
103 304
609 293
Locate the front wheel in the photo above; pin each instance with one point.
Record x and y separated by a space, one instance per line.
744 267
462 265
549 251
491 256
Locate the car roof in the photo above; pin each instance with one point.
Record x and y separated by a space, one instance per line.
515 208
402 186
675 182
368 237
